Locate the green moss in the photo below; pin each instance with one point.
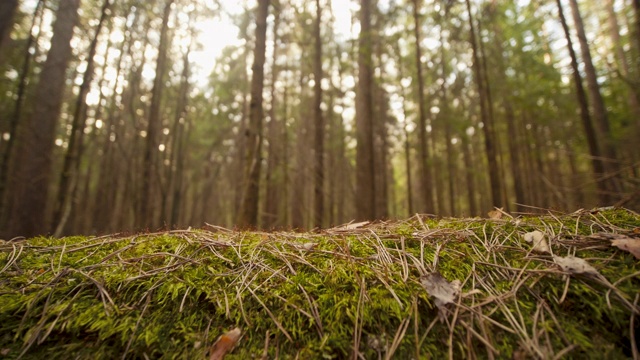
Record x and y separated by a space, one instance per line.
170 295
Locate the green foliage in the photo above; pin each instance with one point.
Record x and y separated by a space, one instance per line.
170 295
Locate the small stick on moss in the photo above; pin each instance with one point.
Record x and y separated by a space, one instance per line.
634 345
397 338
271 315
135 328
265 351
225 343
357 332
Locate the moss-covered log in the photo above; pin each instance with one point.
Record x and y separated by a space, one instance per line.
358 291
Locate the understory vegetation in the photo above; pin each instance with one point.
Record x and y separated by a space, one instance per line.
420 288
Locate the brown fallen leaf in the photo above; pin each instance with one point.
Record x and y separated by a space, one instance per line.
225 343
351 226
576 265
536 238
443 291
495 214
628 244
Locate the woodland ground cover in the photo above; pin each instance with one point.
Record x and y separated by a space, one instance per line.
418 288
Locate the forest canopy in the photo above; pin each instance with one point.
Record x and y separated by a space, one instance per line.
138 115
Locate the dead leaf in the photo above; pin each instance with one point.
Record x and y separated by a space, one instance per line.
438 287
495 214
628 244
575 265
536 238
352 226
5 351
225 343
309 246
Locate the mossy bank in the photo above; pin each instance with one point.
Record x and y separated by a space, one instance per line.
357 291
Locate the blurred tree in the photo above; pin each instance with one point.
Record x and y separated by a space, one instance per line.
32 160
248 216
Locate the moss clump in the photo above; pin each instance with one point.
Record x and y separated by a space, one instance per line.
335 294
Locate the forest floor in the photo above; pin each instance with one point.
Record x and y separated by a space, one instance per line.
546 287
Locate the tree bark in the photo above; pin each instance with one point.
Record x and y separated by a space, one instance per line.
485 114
318 122
365 161
16 115
273 178
611 166
149 185
180 135
469 175
426 178
33 161
69 174
585 117
248 217
7 12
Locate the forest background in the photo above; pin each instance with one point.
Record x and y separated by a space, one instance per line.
309 118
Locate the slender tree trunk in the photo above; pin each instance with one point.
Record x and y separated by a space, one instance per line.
633 94
381 143
623 64
248 217
271 215
69 174
611 165
490 147
318 122
82 223
407 165
284 166
33 161
149 185
178 150
16 115
445 116
407 143
298 196
636 10
7 11
426 178
471 186
107 176
512 138
585 117
365 161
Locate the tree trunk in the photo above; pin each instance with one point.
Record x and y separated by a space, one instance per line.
469 166
426 178
69 174
16 115
178 150
298 194
149 185
365 161
636 10
585 117
33 161
108 177
318 179
611 165
7 12
407 143
248 217
381 142
444 114
490 147
271 216
512 138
